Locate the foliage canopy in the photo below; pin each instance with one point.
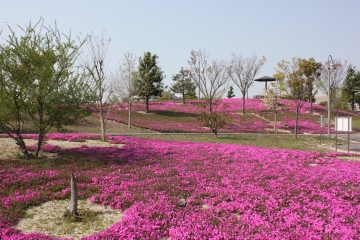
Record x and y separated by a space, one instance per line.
150 77
183 84
40 83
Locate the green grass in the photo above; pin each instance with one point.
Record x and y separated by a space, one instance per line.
303 142
349 158
83 216
356 123
283 141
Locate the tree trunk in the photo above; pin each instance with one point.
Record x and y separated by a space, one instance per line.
74 195
243 102
353 102
41 129
214 130
39 143
20 142
296 122
147 104
129 120
311 104
183 97
275 122
102 123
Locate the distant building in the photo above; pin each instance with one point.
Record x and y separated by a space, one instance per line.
322 98
172 95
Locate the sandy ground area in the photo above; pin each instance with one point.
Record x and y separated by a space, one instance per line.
9 148
47 218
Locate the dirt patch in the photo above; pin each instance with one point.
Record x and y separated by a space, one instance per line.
278 130
48 219
149 113
350 158
9 149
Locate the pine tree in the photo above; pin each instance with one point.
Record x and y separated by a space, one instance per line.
351 84
151 77
231 93
183 84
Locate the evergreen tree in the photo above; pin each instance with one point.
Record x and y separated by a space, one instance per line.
183 84
231 93
150 77
191 94
351 83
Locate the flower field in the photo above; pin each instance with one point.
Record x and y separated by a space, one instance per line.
175 117
182 190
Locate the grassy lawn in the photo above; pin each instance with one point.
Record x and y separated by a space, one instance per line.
282 141
356 123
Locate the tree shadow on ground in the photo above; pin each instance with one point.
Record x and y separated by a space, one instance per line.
112 155
175 114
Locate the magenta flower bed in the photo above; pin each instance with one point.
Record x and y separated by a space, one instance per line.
231 191
304 126
175 117
186 120
251 104
255 126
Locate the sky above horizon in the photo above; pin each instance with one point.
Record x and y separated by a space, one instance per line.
277 29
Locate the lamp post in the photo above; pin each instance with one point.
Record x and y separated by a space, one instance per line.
330 68
199 81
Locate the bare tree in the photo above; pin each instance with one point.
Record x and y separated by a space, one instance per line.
98 46
337 77
271 100
243 71
210 77
125 82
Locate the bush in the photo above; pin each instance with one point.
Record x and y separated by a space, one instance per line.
258 96
165 96
288 97
324 104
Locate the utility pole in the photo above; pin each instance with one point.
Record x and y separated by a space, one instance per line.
199 82
330 68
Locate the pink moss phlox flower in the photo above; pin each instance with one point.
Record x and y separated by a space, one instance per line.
187 190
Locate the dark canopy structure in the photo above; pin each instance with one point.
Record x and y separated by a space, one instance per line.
265 79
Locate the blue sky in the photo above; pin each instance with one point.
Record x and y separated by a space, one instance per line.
277 29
